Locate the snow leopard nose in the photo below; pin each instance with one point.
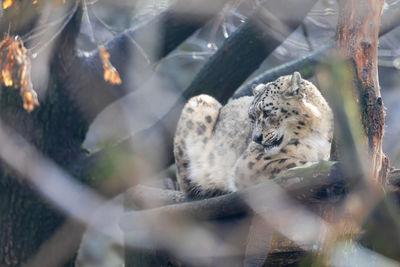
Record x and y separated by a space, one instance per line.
258 138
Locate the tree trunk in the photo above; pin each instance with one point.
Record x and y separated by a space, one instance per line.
357 39
26 219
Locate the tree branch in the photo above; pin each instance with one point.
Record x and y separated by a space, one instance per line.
307 65
307 185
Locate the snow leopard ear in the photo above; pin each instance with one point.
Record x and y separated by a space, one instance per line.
257 88
296 86
296 79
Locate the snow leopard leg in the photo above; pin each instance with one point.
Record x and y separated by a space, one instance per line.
194 128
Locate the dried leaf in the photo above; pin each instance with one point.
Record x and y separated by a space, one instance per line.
30 100
7 3
15 70
110 73
7 77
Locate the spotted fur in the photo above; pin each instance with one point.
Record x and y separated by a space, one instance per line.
286 124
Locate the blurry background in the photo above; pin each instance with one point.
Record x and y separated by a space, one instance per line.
149 101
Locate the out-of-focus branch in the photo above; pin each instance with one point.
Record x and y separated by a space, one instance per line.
307 65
